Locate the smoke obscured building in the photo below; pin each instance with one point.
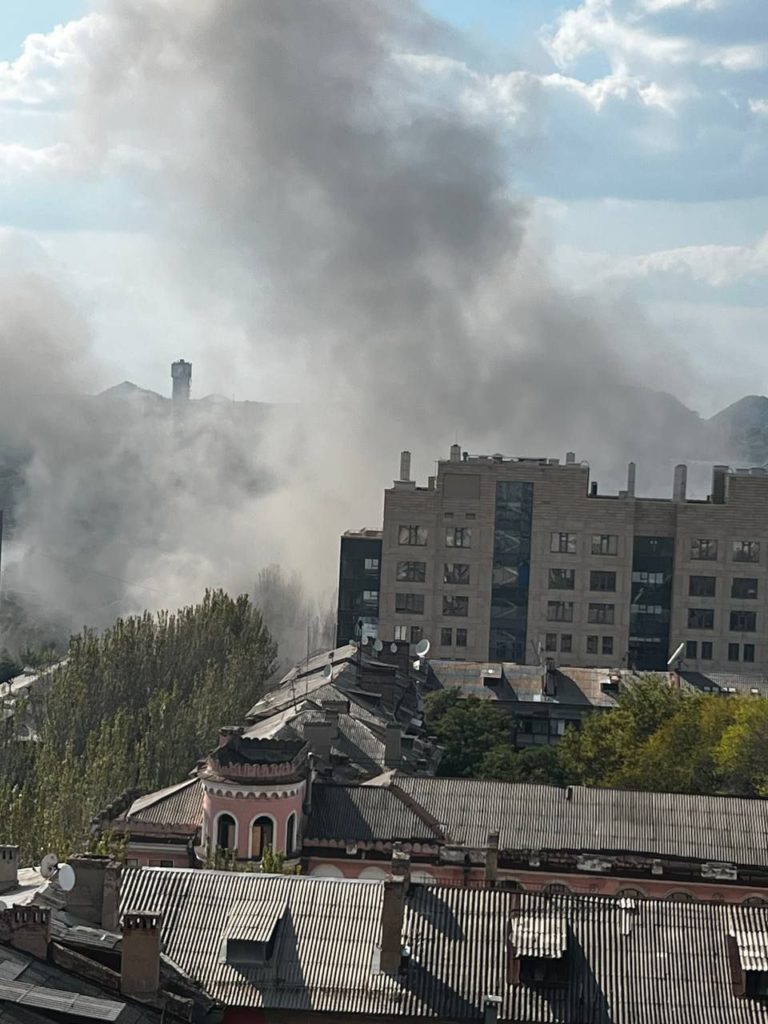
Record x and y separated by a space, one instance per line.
181 375
359 563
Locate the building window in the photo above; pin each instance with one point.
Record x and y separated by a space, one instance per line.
592 644
563 543
704 550
562 579
446 637
607 645
733 652
560 611
371 565
471 515
550 642
706 650
370 596
701 618
566 643
461 638
749 652
411 603
601 613
262 836
655 579
746 550
415 536
455 605
743 622
416 634
226 832
602 581
456 572
290 835
744 589
411 572
401 632
604 543
691 649
701 586
458 537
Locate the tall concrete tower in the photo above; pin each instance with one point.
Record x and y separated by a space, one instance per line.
181 375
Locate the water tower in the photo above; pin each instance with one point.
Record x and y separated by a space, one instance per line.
181 375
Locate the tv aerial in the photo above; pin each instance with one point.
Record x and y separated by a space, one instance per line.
49 865
677 654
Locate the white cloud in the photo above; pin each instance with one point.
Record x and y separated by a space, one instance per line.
49 64
759 106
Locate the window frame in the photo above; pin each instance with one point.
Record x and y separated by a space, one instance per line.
709 553
749 545
704 592
748 614
567 574
456 532
567 608
601 614
601 544
413 577
745 579
454 566
694 613
452 602
410 543
567 543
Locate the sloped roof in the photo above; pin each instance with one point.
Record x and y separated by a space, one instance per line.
658 961
181 804
522 683
363 814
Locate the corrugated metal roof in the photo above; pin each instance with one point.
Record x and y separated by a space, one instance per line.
363 814
255 921
540 935
522 683
665 963
181 804
535 817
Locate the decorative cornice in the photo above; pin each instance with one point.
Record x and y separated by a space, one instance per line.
229 790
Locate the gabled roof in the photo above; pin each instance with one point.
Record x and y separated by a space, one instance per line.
364 814
653 961
181 804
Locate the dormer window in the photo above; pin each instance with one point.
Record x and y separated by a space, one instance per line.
748 962
251 933
538 945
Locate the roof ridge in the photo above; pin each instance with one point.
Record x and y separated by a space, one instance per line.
421 812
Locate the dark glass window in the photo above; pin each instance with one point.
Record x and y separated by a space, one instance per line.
416 634
706 650
446 637
743 588
604 543
371 564
511 570
455 605
370 597
411 572
607 645
743 622
456 572
226 831
704 549
563 543
599 580
413 603
749 652
733 652
701 618
566 643
416 536
550 642
290 835
592 644
562 579
458 537
262 836
560 611
602 613
691 649
746 550
461 638
701 586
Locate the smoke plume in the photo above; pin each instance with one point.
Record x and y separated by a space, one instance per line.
357 225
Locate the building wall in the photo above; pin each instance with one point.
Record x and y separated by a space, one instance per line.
245 804
359 571
598 534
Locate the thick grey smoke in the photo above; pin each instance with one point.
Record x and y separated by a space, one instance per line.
363 228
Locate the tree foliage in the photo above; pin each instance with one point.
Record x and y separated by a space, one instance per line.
133 708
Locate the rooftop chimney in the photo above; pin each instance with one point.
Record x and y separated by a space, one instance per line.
491 1006
393 746
455 453
227 732
9 867
719 484
181 378
140 960
570 458
27 928
631 470
593 489
405 466
96 893
492 858
679 486
320 736
392 916
311 774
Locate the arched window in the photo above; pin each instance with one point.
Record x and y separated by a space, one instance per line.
754 901
630 894
226 832
557 889
262 836
680 897
290 835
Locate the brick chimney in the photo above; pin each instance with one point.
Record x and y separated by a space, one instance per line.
229 732
492 858
27 928
9 867
140 959
393 746
320 736
96 893
401 865
392 917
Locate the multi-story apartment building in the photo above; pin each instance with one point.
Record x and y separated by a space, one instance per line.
517 559
359 570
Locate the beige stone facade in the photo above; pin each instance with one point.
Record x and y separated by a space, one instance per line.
610 580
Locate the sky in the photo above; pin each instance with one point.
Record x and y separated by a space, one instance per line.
635 130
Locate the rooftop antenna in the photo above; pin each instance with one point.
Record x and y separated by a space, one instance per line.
422 650
679 650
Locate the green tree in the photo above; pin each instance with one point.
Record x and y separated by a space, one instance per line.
534 764
466 728
742 752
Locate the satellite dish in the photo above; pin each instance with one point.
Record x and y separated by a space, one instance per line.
48 865
3 906
378 646
66 878
422 648
328 672
366 640
393 648
677 654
